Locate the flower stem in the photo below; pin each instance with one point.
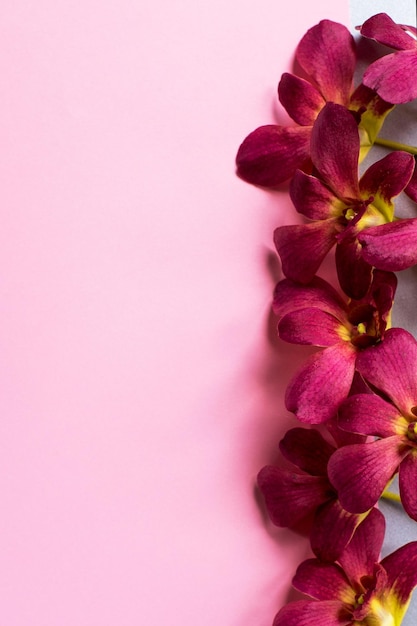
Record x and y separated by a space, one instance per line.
394 145
388 495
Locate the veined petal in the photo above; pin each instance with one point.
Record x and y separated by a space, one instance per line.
394 76
300 99
360 472
327 54
401 568
302 248
332 530
271 154
310 396
290 497
392 246
310 326
391 366
313 613
353 272
407 483
323 581
290 296
307 449
384 30
386 178
312 198
363 550
335 150
368 414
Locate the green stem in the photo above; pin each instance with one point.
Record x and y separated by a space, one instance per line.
388 495
394 145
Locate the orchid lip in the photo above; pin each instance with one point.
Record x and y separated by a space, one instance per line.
412 431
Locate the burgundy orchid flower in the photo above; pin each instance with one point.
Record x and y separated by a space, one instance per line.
291 496
355 215
394 76
390 367
359 589
317 315
326 54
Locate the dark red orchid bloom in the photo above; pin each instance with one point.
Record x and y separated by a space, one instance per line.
326 54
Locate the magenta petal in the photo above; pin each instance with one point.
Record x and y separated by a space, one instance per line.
310 326
335 150
364 549
271 154
353 272
312 198
408 482
309 394
411 189
388 176
303 247
384 30
401 567
394 76
332 530
312 613
391 366
300 99
327 54
360 472
290 296
322 581
307 449
390 246
368 414
289 497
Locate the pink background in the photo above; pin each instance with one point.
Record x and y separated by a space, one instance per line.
141 393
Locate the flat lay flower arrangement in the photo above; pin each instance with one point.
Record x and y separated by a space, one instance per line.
355 397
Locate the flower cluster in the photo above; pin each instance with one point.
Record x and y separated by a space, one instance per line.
357 395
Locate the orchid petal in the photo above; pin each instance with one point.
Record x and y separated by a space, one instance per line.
335 149
384 286
353 272
364 548
394 76
300 99
343 437
312 198
360 472
271 154
384 30
407 483
310 396
392 246
290 497
310 326
391 366
411 189
290 296
312 613
327 54
401 568
323 581
386 178
307 449
302 247
332 530
368 414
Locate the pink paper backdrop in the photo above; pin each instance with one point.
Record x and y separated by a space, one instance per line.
139 392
